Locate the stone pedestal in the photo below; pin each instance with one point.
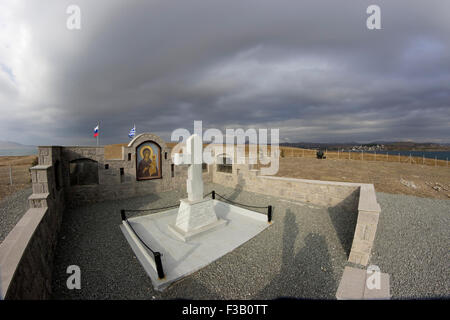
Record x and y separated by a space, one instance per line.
195 217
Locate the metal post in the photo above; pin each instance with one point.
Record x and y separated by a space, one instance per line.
159 267
122 214
213 194
269 214
10 175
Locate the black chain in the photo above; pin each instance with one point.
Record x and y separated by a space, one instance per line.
245 205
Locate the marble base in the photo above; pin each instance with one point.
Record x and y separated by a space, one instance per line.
186 236
195 217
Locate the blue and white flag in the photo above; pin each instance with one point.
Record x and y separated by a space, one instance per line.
132 132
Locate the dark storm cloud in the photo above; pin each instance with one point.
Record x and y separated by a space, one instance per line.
310 68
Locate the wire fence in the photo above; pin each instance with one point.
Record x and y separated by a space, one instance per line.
11 175
290 152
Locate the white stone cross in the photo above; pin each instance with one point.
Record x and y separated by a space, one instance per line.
192 157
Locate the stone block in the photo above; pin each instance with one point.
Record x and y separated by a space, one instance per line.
352 284
358 258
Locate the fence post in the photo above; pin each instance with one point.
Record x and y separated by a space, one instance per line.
10 175
159 267
213 194
269 214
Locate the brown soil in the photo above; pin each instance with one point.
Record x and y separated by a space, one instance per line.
386 176
20 171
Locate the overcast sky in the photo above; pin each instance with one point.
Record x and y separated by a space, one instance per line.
310 68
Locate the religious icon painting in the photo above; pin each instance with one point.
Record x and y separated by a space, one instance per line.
148 161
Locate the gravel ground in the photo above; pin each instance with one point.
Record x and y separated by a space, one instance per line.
412 245
300 255
12 208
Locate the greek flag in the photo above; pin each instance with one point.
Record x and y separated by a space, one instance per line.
132 132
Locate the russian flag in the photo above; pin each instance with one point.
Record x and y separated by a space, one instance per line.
96 131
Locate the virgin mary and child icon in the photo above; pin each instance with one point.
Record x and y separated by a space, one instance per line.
148 165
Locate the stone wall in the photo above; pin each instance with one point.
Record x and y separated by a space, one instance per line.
26 255
357 197
322 193
113 185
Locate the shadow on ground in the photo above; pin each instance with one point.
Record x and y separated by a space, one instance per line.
344 217
308 269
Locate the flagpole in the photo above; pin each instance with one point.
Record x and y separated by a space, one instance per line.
98 132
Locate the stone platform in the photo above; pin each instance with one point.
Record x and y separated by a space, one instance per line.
194 218
181 258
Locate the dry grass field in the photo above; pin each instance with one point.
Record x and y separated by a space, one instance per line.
390 177
19 171
390 174
289 152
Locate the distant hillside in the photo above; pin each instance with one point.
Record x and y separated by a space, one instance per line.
415 146
379 145
9 148
13 145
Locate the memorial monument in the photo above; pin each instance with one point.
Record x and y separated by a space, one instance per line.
195 214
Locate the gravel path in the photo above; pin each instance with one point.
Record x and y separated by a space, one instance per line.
12 208
299 255
302 254
412 245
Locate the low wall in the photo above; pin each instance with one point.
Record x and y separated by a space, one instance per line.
26 254
323 193
27 257
117 177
